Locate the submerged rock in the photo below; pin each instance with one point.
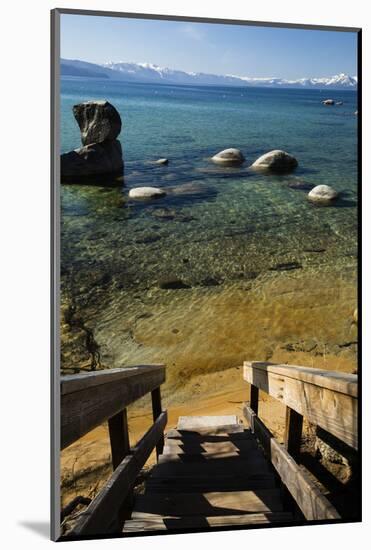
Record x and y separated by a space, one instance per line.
98 121
322 194
172 283
276 161
190 188
146 193
229 157
328 102
92 162
289 266
148 239
164 213
209 281
299 184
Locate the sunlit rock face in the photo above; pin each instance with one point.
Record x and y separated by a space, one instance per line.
276 161
98 121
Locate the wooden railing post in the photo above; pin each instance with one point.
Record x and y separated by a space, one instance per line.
119 437
120 448
254 398
293 431
156 411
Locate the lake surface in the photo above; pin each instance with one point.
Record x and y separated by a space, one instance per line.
229 234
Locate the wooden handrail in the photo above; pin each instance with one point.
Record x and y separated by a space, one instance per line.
100 517
326 398
313 504
88 400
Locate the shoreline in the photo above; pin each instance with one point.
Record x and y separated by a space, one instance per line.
202 330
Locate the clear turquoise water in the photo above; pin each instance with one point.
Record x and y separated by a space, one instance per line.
227 224
188 125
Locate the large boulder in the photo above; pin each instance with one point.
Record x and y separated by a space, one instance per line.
146 193
92 162
98 121
276 161
100 159
322 194
229 157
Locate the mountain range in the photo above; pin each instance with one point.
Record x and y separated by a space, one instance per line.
147 72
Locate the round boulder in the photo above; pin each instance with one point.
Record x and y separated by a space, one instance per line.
146 193
276 161
229 157
328 102
322 194
98 121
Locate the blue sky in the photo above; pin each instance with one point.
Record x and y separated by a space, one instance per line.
212 48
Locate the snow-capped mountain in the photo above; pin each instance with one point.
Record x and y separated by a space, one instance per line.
148 72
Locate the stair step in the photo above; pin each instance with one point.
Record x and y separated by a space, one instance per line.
191 484
223 466
200 458
226 422
181 456
208 504
193 447
162 523
209 435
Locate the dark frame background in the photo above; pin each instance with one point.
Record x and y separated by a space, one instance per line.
55 507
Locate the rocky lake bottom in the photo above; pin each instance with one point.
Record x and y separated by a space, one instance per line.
214 273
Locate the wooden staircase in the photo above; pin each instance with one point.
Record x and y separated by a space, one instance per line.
211 473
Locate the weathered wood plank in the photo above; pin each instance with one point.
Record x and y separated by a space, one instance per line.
90 406
299 388
332 380
190 447
211 483
207 422
156 411
155 523
293 432
100 516
259 429
253 465
77 382
119 437
253 454
254 398
310 500
209 504
210 434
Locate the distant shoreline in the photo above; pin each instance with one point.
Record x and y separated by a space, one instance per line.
233 87
148 73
